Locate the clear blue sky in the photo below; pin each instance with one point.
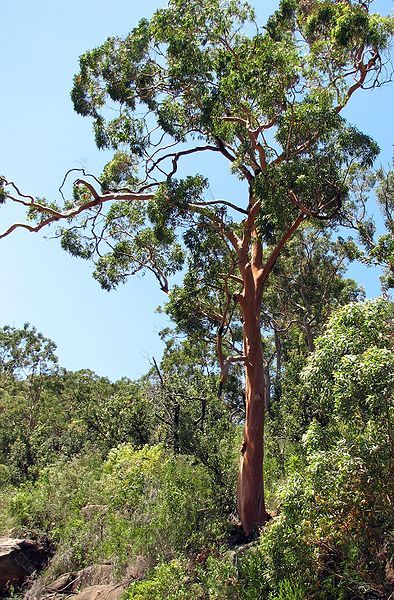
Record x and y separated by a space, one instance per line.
41 137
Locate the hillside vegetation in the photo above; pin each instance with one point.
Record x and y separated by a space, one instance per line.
92 465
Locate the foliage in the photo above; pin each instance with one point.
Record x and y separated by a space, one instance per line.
335 526
58 495
315 265
374 231
64 414
192 419
197 69
331 484
202 76
138 502
116 470
26 352
195 72
167 581
166 501
336 519
383 251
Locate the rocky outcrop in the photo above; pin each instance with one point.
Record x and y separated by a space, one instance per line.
20 558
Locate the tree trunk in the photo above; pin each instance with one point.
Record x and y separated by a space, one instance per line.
254 272
251 504
308 335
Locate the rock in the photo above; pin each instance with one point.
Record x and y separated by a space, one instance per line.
72 583
14 565
63 583
19 558
138 567
38 591
94 575
100 592
75 582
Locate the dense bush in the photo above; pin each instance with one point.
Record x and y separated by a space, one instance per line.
167 502
137 503
61 415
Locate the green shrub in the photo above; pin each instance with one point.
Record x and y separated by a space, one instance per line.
167 581
336 524
139 502
165 502
57 496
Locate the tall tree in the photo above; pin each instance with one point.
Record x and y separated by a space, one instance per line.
202 77
27 364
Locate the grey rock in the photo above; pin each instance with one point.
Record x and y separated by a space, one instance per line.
19 558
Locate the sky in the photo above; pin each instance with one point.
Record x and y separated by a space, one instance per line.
115 334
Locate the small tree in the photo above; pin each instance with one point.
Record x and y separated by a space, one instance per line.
207 79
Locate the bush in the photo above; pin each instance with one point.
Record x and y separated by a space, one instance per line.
167 581
138 502
57 496
165 502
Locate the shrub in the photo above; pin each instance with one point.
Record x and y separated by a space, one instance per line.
336 525
165 502
167 581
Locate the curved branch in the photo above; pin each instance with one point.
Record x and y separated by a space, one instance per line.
55 215
224 203
177 155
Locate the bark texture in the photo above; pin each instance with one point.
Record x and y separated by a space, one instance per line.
251 505
254 271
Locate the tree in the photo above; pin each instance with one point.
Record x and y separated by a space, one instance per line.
25 353
191 418
267 100
378 242
27 364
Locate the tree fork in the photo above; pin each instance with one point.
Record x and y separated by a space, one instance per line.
250 493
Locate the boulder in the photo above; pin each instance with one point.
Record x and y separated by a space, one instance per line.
71 585
19 558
